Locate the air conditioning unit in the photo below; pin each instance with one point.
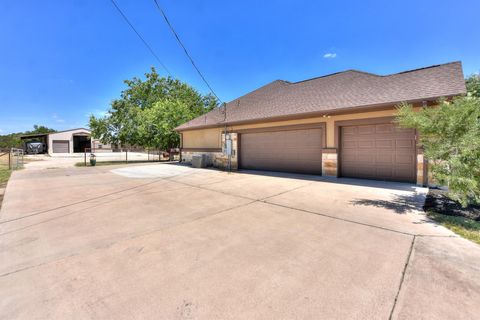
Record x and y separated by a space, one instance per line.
199 161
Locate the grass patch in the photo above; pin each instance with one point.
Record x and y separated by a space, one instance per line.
110 163
4 175
467 228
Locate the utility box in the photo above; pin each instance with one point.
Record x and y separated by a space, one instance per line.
199 161
228 147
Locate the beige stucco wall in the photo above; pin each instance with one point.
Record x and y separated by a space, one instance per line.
203 138
211 138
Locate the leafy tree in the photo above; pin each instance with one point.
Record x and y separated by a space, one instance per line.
12 140
148 110
450 135
473 85
40 129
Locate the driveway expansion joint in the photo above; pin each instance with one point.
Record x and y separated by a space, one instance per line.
342 219
402 279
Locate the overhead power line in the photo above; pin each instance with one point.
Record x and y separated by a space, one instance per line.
140 36
185 49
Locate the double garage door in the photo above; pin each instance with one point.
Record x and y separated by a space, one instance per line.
287 150
378 151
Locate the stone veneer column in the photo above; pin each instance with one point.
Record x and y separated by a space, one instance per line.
421 167
330 162
221 160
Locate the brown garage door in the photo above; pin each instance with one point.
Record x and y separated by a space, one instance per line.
288 151
378 151
60 146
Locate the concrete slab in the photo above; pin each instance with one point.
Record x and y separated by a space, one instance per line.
442 280
71 229
258 186
256 261
31 191
173 242
395 206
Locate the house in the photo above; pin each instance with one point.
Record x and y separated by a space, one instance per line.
339 125
67 142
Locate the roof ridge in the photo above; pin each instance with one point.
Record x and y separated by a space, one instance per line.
423 68
372 74
336 73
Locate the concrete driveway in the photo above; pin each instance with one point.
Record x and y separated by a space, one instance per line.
164 241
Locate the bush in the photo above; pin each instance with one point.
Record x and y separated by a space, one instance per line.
450 136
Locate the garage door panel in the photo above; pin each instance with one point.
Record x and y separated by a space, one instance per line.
349 144
349 158
365 157
385 152
60 146
385 158
403 143
384 128
386 171
349 131
404 159
384 144
289 150
366 144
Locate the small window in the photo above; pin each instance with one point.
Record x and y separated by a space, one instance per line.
100 146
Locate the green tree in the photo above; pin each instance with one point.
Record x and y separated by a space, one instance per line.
450 136
148 110
38 129
473 85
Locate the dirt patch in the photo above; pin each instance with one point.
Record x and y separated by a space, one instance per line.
438 201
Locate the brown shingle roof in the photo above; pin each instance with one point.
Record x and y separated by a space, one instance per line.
335 92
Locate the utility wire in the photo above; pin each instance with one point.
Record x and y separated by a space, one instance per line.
185 49
140 36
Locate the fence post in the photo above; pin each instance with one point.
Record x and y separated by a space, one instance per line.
85 157
10 159
126 156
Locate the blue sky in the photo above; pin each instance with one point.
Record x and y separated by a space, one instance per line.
63 60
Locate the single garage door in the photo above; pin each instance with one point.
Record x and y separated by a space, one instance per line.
60 146
289 150
378 151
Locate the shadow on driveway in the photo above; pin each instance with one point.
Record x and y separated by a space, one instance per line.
400 204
